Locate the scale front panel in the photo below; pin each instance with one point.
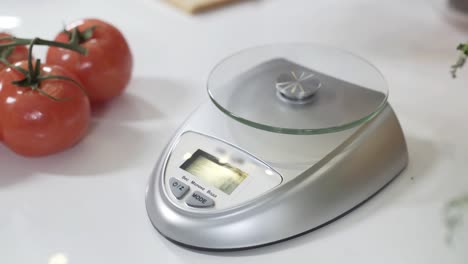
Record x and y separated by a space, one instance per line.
205 174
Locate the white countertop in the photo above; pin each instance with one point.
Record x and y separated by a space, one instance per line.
87 204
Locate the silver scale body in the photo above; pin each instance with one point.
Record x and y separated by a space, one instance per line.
311 179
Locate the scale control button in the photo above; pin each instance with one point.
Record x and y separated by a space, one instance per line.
178 188
199 200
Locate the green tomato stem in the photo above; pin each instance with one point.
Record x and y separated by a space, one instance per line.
23 41
32 76
32 71
76 37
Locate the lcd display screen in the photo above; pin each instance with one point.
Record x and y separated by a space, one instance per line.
207 167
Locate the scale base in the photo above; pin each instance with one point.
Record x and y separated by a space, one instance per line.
367 161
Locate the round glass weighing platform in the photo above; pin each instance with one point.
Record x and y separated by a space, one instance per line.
297 88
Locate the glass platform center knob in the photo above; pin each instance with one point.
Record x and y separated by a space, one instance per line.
297 86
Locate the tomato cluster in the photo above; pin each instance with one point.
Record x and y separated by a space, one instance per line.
46 108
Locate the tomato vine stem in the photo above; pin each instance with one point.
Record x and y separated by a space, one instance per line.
38 41
76 37
32 76
6 52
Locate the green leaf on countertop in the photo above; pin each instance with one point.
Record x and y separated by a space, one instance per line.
454 213
463 48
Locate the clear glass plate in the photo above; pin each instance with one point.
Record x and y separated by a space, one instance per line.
297 88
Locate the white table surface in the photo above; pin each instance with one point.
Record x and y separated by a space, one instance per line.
86 205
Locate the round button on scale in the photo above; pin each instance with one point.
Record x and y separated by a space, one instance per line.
178 188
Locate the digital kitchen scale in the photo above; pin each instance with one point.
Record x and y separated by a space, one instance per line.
294 136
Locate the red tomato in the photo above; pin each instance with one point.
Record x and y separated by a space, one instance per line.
35 125
106 70
19 52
